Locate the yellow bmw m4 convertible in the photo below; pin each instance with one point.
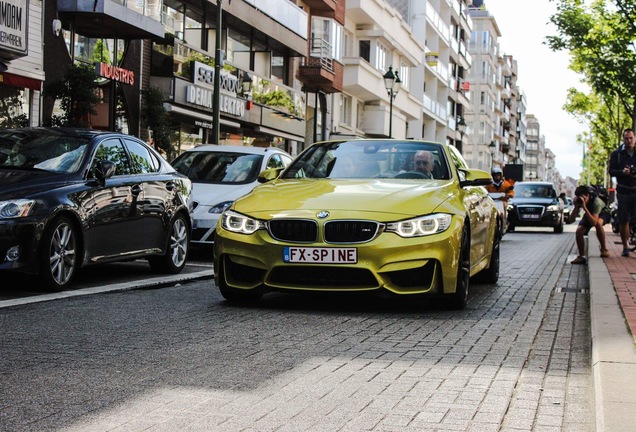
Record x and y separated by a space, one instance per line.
391 216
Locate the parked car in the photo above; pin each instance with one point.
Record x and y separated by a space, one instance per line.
535 204
221 174
379 225
568 207
71 198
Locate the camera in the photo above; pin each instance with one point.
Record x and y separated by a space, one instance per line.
632 170
576 200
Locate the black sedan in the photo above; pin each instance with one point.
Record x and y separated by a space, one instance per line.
75 197
535 204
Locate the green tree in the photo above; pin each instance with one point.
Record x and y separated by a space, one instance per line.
600 40
599 36
11 115
77 93
158 120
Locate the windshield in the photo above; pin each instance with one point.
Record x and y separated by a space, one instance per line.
44 151
534 191
219 167
366 159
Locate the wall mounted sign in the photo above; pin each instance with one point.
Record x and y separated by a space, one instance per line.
115 73
14 22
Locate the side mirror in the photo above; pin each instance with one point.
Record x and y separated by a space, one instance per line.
269 174
105 169
475 177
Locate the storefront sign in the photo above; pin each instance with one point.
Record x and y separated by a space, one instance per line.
204 75
115 73
205 98
14 23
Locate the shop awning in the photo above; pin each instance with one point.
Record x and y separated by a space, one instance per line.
278 133
198 115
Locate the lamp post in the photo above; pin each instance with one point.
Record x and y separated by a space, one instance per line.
392 84
461 127
218 62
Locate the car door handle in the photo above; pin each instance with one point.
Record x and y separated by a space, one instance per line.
136 190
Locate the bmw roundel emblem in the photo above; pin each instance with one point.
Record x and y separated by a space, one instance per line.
323 214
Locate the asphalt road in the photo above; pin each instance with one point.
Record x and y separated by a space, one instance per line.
181 358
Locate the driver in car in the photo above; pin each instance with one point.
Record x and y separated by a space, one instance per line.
500 185
423 163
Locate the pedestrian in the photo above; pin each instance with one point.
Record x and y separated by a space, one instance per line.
500 184
595 215
622 165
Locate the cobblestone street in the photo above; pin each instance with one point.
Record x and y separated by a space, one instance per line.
516 359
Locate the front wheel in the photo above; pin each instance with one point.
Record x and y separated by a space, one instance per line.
490 274
59 254
559 228
459 298
174 260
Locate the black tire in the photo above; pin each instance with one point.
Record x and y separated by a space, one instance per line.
459 298
174 260
59 254
490 274
559 228
235 295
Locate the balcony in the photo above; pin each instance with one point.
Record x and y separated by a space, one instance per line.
322 5
109 19
320 71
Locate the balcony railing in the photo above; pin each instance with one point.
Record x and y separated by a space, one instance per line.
284 12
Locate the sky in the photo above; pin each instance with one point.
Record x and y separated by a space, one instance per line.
543 75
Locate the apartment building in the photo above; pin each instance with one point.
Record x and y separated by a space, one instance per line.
439 79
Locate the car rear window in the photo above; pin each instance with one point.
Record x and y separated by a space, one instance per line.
219 167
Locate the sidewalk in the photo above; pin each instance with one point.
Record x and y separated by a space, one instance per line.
613 316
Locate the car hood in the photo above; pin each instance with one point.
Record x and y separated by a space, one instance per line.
380 199
212 194
24 183
535 201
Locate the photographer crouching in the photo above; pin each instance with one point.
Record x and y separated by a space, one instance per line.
622 165
594 215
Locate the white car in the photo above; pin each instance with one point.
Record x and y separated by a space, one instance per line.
220 174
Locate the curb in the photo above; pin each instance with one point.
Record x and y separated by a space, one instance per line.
613 351
155 282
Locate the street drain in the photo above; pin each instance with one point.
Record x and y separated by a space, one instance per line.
572 290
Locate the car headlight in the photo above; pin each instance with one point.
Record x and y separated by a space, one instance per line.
220 207
553 208
421 226
15 209
238 223
510 207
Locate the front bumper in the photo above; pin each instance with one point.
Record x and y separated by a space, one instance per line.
421 265
19 245
534 216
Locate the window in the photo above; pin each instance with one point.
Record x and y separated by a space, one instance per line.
405 75
329 34
360 115
345 109
143 161
364 46
112 150
485 70
380 58
482 98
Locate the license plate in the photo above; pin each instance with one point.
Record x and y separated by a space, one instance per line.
532 216
320 255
